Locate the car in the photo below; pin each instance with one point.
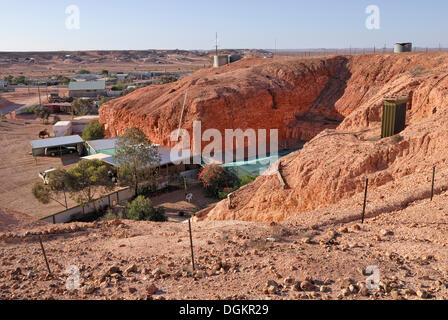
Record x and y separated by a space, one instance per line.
53 152
45 175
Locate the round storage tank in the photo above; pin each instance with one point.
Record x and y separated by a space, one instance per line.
219 61
403 47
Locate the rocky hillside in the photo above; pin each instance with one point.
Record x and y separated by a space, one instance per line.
303 258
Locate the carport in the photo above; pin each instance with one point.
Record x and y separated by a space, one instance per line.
39 146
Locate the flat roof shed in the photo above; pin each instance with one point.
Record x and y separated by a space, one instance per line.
39 145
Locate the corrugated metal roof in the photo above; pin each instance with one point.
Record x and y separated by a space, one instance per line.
87 85
56 142
103 144
164 152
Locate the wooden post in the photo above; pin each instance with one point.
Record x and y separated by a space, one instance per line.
191 244
54 220
45 256
365 201
433 181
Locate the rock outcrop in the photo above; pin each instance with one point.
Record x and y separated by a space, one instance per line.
295 96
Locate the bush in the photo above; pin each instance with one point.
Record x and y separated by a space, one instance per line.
216 178
43 113
117 87
93 131
30 110
141 209
246 179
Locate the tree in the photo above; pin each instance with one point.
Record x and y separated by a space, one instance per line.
43 113
105 72
93 131
138 158
82 107
58 181
87 179
57 186
141 209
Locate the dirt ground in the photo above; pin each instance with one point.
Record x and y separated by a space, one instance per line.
24 97
19 170
234 260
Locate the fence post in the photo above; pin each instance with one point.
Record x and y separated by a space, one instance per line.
433 181
191 244
45 256
365 201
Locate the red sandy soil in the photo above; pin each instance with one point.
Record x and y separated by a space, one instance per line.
315 259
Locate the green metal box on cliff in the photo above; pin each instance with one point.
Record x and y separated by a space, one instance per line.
394 116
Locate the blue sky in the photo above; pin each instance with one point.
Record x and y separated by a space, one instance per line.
27 25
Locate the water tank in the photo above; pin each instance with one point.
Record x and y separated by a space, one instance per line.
403 47
220 60
394 116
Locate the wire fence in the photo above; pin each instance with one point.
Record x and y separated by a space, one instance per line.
349 51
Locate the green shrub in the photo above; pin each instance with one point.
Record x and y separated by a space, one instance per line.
117 87
93 131
246 179
30 110
141 209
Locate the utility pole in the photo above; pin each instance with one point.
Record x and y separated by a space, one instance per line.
38 90
216 43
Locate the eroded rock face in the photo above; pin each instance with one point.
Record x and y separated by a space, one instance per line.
288 95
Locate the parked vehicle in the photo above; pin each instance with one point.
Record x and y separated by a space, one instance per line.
45 175
53 152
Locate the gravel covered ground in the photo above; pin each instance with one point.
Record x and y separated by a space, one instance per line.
234 260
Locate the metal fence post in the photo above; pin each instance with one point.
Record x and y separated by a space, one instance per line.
433 181
191 244
45 256
365 201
